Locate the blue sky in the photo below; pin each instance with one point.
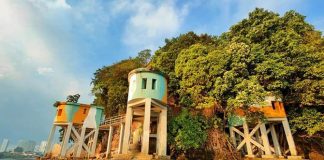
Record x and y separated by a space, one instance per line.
51 48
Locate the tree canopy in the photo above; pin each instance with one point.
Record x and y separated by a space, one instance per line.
265 54
110 83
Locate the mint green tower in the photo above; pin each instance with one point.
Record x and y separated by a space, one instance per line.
147 99
144 83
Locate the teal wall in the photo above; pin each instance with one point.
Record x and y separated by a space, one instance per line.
135 86
71 109
235 120
99 114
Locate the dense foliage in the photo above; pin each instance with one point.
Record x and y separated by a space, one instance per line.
187 131
111 83
263 55
164 58
309 121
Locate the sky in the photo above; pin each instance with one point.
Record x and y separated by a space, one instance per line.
51 48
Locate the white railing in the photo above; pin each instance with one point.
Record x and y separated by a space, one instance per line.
114 120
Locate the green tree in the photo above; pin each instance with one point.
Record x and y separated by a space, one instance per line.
291 60
264 54
186 131
18 149
110 83
308 120
165 57
144 57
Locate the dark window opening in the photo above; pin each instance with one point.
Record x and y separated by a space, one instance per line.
144 80
153 83
59 112
273 105
85 111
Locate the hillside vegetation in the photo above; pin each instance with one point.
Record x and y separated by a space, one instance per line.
264 54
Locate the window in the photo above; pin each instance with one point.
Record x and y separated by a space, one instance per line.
144 80
273 104
85 111
153 84
59 112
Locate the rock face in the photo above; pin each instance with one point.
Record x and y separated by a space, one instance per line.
316 154
99 149
115 141
56 150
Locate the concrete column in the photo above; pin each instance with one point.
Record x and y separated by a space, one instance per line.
232 135
50 139
146 126
275 140
158 133
66 140
94 142
247 139
121 135
265 141
162 143
110 136
289 137
259 140
81 141
128 124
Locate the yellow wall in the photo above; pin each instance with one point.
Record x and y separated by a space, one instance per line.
277 112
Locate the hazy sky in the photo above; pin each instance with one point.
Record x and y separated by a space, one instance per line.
51 48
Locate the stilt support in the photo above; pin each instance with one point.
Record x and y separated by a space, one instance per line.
110 136
146 126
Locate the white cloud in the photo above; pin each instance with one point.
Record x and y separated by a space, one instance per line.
7 64
277 6
229 12
30 42
60 4
20 32
5 70
44 70
99 13
150 23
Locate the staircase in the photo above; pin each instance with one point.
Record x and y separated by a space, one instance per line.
115 120
132 156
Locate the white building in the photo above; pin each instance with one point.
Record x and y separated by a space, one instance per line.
4 145
36 149
42 146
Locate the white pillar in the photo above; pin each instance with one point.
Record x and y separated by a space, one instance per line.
259 140
289 137
247 140
110 136
50 139
128 124
94 142
158 133
232 135
66 140
162 143
146 126
121 135
81 141
275 140
265 141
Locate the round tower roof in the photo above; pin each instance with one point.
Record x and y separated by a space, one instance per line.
139 70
